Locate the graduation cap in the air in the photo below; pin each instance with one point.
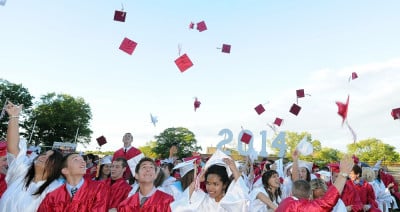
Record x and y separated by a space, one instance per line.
183 62
196 103
153 119
201 26
343 108
119 16
128 46
101 140
295 109
396 113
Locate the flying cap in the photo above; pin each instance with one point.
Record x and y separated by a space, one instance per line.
128 46
396 113
183 62
196 103
246 138
3 148
343 108
185 167
295 109
101 140
259 109
3 2
217 159
201 26
133 162
300 93
119 16
278 121
153 119
354 76
191 25
304 147
226 48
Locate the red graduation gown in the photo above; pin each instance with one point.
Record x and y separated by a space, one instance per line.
366 194
158 202
326 203
387 179
351 197
131 153
3 184
119 191
91 196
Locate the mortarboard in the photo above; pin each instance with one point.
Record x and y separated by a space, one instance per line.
105 160
133 162
226 48
278 121
3 148
343 108
295 109
300 93
128 46
183 62
119 16
217 159
153 119
246 138
354 76
201 26
191 25
101 140
396 113
3 2
334 167
304 147
259 109
196 104
196 157
185 167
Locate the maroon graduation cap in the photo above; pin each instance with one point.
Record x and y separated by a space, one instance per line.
396 113
101 140
119 16
295 109
246 138
196 103
201 26
128 46
278 121
343 108
183 62
259 109
226 48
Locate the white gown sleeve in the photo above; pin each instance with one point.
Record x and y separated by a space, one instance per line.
257 205
236 198
18 166
188 204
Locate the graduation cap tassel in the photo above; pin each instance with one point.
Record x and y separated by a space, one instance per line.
76 135
3 111
33 129
352 132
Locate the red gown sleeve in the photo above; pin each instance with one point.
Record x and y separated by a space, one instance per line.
118 193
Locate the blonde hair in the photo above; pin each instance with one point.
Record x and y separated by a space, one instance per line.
368 174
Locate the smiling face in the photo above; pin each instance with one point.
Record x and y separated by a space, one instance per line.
303 173
274 181
146 172
106 169
215 187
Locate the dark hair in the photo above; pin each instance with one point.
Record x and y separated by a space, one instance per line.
301 189
265 178
52 168
160 178
170 166
123 162
91 157
357 170
187 179
64 161
221 172
144 160
101 172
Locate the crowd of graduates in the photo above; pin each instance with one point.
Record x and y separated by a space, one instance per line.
129 181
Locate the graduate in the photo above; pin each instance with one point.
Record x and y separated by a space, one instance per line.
148 198
222 193
268 197
119 188
128 152
28 179
78 193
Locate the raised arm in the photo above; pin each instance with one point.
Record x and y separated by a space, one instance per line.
295 166
232 166
13 112
346 164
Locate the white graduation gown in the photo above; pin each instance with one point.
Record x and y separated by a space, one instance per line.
236 199
257 205
17 197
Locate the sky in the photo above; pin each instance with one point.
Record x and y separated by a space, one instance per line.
72 47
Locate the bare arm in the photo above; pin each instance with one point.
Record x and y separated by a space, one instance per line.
346 164
232 166
13 112
266 200
295 166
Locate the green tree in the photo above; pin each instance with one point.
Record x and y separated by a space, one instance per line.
60 117
326 155
17 94
147 149
184 138
371 150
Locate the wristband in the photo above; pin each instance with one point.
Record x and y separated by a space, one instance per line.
13 117
345 175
